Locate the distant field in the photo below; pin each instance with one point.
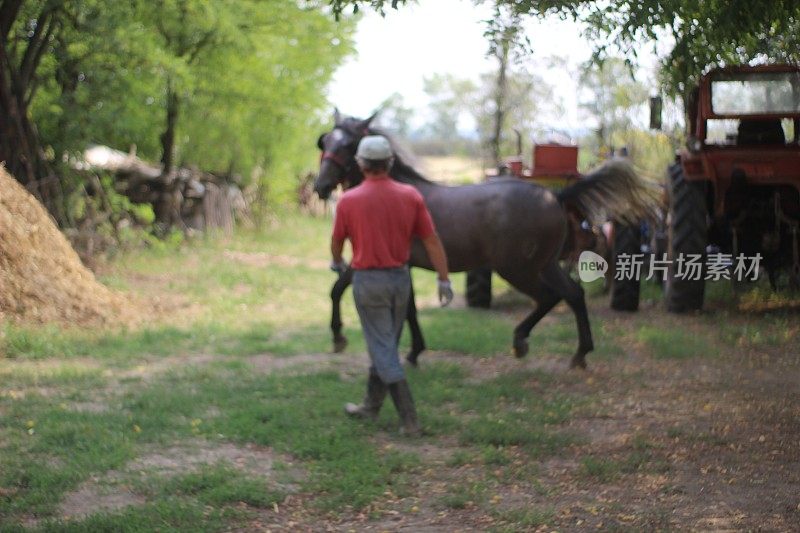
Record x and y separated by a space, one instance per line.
452 169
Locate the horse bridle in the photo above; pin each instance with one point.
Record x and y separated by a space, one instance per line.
335 158
340 162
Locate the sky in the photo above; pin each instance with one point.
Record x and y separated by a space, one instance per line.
395 54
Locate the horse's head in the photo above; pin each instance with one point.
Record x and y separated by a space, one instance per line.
338 162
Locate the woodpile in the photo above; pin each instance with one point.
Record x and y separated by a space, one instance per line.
186 198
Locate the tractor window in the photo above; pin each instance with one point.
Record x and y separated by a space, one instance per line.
722 132
756 93
747 132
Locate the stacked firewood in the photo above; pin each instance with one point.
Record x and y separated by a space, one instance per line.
185 198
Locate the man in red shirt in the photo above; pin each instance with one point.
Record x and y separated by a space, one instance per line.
381 217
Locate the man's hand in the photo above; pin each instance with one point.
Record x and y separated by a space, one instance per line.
445 293
339 267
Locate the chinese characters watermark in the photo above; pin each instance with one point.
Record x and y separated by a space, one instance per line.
712 267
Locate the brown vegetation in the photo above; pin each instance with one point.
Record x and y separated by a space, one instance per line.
41 277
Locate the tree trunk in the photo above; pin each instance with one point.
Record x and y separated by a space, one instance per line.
500 103
168 137
20 148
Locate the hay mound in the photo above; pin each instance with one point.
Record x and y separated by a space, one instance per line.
41 277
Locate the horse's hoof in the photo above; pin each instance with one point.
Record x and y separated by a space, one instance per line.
578 362
412 360
520 348
339 344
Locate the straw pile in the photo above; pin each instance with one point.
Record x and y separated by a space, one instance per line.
41 277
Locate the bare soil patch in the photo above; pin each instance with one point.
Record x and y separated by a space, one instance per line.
111 491
91 498
185 457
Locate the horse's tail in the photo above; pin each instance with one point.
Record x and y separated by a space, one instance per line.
611 191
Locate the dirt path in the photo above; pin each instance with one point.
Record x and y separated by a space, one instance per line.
706 443
710 444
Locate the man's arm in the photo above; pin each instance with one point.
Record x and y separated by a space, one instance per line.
337 247
337 264
437 255
433 245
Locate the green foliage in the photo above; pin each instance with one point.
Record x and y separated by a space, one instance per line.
453 99
704 34
613 94
246 77
450 97
395 116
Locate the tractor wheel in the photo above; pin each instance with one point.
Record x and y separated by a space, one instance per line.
625 292
687 235
479 288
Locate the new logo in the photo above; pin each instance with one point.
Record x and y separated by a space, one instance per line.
591 266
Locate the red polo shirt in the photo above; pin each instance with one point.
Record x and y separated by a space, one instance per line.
380 217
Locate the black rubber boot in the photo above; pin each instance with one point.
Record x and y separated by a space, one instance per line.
401 396
376 393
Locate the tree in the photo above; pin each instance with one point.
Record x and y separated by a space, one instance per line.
232 86
705 34
450 98
187 30
613 95
529 101
395 115
506 39
26 32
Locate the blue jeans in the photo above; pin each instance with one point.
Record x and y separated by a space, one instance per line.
381 297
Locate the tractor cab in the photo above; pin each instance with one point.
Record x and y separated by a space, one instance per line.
744 128
734 190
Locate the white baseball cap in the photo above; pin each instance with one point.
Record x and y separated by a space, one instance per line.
374 147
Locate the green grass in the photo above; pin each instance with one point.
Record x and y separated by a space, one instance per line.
600 469
219 485
80 404
125 348
523 519
170 514
460 458
463 495
675 343
51 449
468 331
496 456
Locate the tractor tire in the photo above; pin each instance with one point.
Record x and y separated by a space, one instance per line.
625 292
687 235
479 288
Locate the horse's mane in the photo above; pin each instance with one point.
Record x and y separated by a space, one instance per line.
405 161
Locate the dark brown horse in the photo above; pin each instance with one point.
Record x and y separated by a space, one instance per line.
516 228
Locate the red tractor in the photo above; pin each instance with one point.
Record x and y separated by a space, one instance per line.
734 190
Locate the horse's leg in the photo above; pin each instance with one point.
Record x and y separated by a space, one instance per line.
417 341
344 281
571 291
545 298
